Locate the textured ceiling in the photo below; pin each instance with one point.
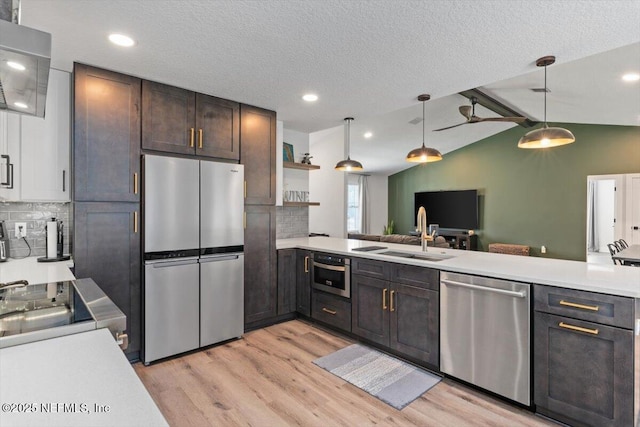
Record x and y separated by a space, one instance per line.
363 58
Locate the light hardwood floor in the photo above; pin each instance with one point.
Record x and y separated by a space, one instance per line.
267 379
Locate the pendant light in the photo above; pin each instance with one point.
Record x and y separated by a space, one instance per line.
348 165
424 154
546 136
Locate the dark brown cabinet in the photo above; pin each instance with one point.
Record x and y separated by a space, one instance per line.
106 146
107 249
331 309
303 281
397 306
180 121
260 284
106 191
258 154
287 273
583 368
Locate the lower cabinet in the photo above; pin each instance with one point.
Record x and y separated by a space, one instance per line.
107 249
260 283
402 317
287 273
584 369
303 281
331 309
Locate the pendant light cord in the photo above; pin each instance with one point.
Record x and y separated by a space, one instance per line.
423 121
545 95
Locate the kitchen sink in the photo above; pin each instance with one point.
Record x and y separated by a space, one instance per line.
420 256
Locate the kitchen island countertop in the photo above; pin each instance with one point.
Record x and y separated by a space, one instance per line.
608 279
77 380
31 270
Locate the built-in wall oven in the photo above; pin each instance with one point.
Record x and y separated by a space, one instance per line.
331 273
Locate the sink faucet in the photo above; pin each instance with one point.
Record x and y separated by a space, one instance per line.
422 227
16 284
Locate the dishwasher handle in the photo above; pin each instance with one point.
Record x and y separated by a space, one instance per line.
516 294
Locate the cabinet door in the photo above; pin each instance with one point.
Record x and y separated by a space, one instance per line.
370 308
217 127
106 136
168 118
107 249
584 375
258 154
303 282
260 285
415 314
286 281
10 161
45 145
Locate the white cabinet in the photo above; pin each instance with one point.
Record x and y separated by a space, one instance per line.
44 145
36 152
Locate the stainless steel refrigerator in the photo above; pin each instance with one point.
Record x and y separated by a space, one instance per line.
194 262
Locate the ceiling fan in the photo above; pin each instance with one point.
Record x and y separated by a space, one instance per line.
469 111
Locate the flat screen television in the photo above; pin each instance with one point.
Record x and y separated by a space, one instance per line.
456 209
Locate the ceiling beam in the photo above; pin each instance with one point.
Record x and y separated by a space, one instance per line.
497 106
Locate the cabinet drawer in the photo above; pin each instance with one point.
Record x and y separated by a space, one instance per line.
600 308
420 277
371 268
332 310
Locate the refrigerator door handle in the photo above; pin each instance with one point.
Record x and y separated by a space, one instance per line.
218 258
164 263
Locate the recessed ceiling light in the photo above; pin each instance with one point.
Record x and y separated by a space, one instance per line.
20 104
121 40
310 97
368 135
631 77
16 65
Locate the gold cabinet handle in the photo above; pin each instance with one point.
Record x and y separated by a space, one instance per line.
244 220
135 183
245 189
578 328
192 139
306 264
135 221
384 299
391 308
331 312
581 306
200 138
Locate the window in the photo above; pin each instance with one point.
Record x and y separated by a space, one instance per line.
353 207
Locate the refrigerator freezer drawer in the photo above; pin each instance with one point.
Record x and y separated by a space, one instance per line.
221 298
171 308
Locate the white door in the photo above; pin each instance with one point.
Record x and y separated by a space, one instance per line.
632 233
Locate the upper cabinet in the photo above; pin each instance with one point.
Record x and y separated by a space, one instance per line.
107 135
35 151
179 121
258 154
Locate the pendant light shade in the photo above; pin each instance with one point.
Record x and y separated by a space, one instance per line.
546 136
423 154
348 165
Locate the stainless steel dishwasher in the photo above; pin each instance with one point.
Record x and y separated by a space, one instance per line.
485 333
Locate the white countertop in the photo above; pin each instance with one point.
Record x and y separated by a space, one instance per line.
608 279
71 375
35 272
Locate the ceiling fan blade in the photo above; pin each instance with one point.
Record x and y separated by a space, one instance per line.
502 119
465 110
449 127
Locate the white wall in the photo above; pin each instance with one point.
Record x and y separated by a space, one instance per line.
327 185
378 204
605 197
295 179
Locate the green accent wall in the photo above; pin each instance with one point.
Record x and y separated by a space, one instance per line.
528 197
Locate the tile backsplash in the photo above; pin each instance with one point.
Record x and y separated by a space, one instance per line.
35 215
292 222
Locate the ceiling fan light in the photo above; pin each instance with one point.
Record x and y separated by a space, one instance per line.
424 155
348 165
546 137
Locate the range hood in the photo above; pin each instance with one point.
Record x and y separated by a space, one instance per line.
25 57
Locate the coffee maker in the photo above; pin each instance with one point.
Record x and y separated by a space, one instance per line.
4 242
54 242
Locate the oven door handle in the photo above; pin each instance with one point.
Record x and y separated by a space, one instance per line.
329 267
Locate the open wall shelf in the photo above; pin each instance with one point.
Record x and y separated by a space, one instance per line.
292 165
